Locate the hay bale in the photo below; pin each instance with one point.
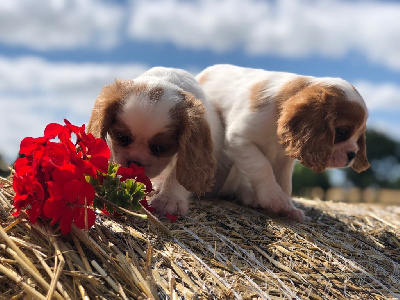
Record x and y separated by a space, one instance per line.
221 250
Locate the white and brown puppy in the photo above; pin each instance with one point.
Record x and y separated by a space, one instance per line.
160 121
273 118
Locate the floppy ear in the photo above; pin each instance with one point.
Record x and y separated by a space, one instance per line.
106 107
306 129
361 162
195 165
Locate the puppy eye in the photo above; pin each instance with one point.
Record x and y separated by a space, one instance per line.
341 134
124 140
158 150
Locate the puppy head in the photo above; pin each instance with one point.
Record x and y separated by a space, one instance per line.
153 125
323 126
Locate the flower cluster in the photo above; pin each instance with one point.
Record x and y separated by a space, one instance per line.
124 187
58 180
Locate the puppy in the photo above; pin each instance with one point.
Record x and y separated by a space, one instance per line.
160 121
273 118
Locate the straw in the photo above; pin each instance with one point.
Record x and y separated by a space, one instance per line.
221 250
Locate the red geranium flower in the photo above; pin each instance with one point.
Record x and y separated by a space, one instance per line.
137 173
52 180
68 203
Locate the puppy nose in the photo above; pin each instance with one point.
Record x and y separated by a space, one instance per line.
139 164
351 156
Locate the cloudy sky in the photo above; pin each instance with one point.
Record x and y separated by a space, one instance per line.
55 55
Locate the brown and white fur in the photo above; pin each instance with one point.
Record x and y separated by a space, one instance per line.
160 121
273 118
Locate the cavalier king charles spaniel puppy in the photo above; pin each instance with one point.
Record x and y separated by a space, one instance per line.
272 118
160 121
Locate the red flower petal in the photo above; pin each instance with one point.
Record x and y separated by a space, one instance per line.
19 184
37 191
66 173
55 154
72 190
75 129
79 217
125 173
28 146
55 190
87 192
22 166
88 168
54 209
100 148
34 212
172 218
136 169
19 201
53 129
66 221
100 163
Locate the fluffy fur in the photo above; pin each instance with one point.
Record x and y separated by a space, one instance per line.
160 121
273 118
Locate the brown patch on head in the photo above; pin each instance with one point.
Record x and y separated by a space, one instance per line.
258 97
258 92
195 165
165 144
109 104
155 94
291 88
307 123
120 133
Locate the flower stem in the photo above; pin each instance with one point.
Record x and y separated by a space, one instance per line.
129 212
146 215
156 222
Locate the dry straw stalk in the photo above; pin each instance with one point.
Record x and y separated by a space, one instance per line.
220 251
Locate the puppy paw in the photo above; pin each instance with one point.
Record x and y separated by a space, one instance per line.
171 203
297 215
248 197
281 204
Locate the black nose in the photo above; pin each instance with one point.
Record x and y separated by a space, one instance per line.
351 156
139 164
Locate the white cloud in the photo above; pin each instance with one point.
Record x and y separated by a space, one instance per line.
293 28
35 92
60 24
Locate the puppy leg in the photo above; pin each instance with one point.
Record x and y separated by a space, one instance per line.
172 197
283 171
237 184
254 165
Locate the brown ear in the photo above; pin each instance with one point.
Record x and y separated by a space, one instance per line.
106 107
195 165
361 162
305 127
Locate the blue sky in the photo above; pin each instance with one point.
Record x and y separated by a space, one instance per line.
55 55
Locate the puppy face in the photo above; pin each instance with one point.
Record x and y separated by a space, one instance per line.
157 126
323 126
153 149
143 132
